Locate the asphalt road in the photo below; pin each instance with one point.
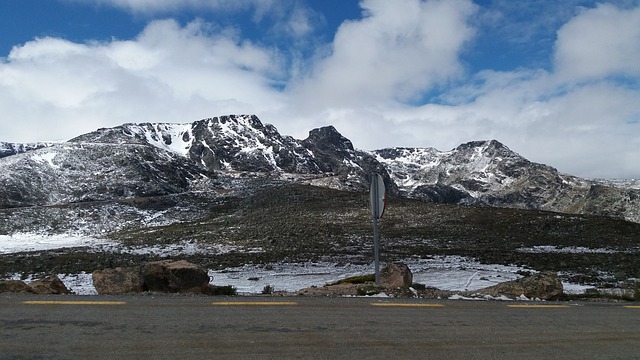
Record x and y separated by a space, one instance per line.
196 327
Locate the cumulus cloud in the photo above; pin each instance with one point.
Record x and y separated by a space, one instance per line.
396 51
168 73
600 42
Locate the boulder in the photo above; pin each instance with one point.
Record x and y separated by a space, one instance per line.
175 277
396 275
14 286
49 285
543 286
118 281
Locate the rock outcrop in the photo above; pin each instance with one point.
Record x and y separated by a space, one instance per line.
543 286
175 277
161 276
119 280
49 285
14 286
394 279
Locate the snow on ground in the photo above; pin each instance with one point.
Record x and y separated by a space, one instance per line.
38 242
545 249
443 272
181 248
455 273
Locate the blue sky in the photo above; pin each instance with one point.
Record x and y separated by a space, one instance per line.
556 81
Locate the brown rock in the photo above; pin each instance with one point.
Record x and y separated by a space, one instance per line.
14 286
118 280
395 276
175 277
544 286
49 285
331 290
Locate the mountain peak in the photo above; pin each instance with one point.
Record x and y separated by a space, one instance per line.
329 137
491 145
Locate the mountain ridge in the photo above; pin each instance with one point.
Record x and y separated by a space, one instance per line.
484 173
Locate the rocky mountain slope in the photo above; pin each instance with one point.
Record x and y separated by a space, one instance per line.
489 173
137 160
243 143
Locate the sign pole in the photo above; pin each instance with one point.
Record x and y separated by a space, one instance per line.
378 203
376 252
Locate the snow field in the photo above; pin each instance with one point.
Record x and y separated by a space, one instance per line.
454 273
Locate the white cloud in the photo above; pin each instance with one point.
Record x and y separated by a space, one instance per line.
398 50
168 73
600 42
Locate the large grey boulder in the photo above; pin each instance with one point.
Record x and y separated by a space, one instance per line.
396 275
175 277
543 286
161 276
119 280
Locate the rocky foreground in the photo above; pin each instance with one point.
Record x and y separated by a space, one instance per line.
186 278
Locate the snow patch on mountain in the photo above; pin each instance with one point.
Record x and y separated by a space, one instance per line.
45 158
175 138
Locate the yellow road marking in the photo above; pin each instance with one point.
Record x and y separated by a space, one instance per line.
537 306
632 306
254 303
58 302
406 305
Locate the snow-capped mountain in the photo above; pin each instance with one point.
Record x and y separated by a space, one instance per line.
141 160
488 172
239 143
73 172
243 143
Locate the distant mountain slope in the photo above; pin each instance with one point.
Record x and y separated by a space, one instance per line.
488 172
138 160
8 149
69 172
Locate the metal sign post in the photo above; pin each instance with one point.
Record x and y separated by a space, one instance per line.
377 195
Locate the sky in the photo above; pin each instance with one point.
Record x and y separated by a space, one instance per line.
556 81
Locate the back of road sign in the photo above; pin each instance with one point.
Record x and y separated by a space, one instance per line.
378 196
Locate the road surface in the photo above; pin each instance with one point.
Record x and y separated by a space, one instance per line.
197 327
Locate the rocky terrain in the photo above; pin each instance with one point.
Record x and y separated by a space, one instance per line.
228 191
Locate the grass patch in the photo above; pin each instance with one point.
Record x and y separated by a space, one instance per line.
227 290
368 289
268 290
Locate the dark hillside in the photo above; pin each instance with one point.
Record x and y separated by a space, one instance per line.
292 222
